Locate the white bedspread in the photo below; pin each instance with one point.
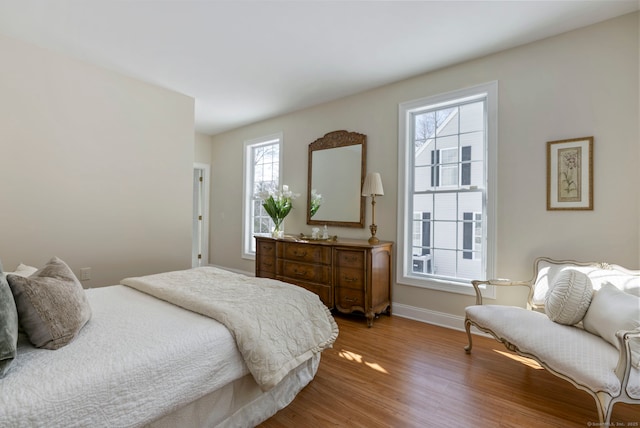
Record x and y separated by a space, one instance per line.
276 325
138 358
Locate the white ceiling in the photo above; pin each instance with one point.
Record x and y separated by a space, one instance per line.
244 61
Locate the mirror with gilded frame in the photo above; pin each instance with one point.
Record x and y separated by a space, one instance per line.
337 168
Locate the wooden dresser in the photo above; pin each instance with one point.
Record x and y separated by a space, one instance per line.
349 275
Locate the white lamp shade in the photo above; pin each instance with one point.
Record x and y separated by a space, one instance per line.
372 185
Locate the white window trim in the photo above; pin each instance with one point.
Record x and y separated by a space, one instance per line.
247 237
404 109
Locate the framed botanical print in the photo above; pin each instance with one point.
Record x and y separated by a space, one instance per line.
570 174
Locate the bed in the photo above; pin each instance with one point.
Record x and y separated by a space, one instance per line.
153 354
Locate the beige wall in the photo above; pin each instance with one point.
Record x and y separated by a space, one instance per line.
203 148
96 167
582 83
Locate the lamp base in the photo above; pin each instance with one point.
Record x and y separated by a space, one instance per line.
373 240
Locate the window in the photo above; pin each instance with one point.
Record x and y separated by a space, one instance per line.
262 170
446 182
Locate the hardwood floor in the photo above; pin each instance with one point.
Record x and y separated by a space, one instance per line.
404 373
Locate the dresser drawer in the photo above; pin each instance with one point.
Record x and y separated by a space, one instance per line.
266 248
306 272
323 291
350 278
350 258
265 258
267 264
308 253
349 299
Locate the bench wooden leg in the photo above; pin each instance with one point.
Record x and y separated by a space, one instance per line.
467 327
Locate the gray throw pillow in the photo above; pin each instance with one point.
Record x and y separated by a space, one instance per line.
52 305
8 326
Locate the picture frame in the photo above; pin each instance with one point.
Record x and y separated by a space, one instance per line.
570 174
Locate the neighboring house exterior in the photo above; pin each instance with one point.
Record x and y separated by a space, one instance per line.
449 171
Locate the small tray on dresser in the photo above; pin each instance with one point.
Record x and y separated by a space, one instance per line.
311 238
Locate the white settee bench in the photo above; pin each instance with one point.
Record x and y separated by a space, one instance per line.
581 323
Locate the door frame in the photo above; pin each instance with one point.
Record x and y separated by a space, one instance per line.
204 200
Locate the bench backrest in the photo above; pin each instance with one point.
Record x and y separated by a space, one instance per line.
546 269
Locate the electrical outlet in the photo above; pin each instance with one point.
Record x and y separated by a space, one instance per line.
85 274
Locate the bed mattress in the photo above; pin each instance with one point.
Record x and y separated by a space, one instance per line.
138 359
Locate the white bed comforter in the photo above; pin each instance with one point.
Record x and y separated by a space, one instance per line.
276 325
137 359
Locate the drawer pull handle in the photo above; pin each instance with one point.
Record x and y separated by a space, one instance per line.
350 299
300 272
299 253
267 263
349 279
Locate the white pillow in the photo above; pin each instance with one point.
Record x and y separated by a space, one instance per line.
22 270
568 298
611 310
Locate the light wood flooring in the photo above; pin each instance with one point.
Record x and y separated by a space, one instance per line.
404 373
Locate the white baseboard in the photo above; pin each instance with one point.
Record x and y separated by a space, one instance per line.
430 317
441 319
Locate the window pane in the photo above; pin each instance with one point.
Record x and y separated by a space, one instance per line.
469 268
470 235
423 203
424 128
472 117
444 235
475 140
447 121
424 155
422 264
469 202
421 236
422 179
417 233
445 204
444 263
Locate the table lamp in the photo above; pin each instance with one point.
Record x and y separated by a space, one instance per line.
373 187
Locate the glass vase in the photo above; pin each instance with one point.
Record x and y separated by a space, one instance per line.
278 230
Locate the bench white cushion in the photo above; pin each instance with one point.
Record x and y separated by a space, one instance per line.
581 356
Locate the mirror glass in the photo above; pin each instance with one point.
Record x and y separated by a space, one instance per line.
337 166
